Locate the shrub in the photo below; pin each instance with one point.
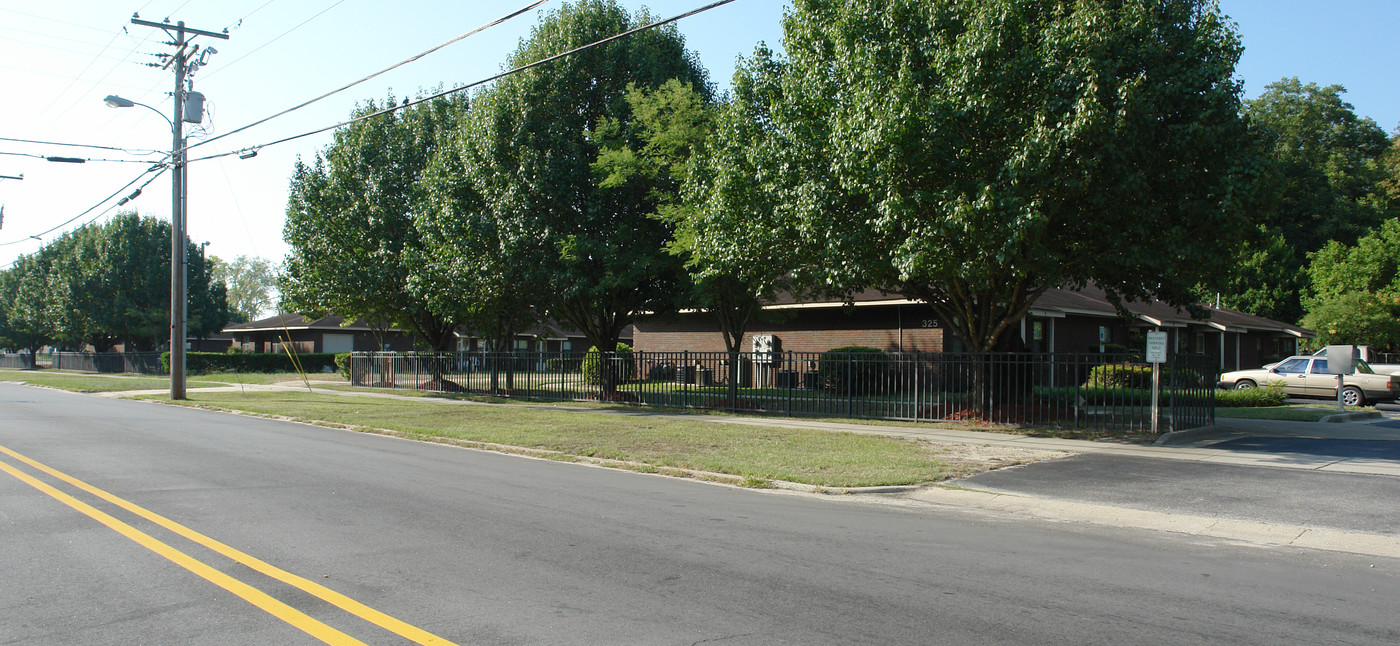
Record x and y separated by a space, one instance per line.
1120 375
204 362
342 362
854 369
621 365
1270 395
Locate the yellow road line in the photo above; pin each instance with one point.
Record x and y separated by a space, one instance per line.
248 593
396 626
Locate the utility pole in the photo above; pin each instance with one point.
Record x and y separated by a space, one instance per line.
179 299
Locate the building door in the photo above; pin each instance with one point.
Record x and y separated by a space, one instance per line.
337 343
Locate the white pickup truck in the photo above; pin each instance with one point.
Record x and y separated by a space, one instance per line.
1368 355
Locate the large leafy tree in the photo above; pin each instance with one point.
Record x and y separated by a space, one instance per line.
27 313
1326 163
1354 294
972 154
738 255
111 284
251 283
467 270
1324 180
350 223
595 255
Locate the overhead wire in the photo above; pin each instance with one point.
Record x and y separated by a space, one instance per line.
408 104
239 23
131 151
76 160
255 50
158 169
406 61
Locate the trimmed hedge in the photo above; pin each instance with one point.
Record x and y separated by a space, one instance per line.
854 370
624 367
1270 395
202 362
1120 375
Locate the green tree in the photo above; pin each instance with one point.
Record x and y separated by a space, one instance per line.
972 154
1326 163
595 254
1357 318
110 283
1324 180
738 256
468 270
27 316
1353 289
250 282
350 223
1268 276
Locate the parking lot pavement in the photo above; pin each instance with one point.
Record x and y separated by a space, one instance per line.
1366 449
1260 494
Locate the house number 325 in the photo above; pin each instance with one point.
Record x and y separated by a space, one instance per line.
928 323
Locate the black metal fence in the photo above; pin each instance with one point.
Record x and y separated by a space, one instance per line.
146 363
1078 390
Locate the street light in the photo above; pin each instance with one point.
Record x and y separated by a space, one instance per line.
179 191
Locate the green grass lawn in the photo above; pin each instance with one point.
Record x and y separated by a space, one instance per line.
1283 413
821 458
93 383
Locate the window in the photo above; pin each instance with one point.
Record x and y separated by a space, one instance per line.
522 345
1200 345
1292 366
1319 367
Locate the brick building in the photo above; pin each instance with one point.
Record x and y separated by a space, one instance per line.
1060 321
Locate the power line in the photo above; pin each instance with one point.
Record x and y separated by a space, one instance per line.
406 61
255 49
517 70
74 160
238 23
160 170
133 151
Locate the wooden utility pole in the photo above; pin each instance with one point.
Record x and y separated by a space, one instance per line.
179 299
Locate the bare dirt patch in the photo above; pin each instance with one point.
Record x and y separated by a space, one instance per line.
966 460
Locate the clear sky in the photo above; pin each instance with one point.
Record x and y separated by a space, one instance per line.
58 59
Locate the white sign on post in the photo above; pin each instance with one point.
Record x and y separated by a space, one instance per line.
1156 355
1156 347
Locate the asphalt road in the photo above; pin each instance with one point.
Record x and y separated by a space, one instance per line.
481 548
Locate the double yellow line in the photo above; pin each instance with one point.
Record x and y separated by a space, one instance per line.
248 593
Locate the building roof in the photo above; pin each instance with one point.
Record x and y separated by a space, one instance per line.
299 322
336 323
1091 301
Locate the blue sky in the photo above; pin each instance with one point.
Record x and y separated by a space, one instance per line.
58 59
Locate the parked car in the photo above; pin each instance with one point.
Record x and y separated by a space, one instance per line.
1304 376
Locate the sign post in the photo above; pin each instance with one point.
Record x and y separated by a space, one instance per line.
1156 355
1341 361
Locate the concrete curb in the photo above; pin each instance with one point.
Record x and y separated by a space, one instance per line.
1351 417
1192 435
